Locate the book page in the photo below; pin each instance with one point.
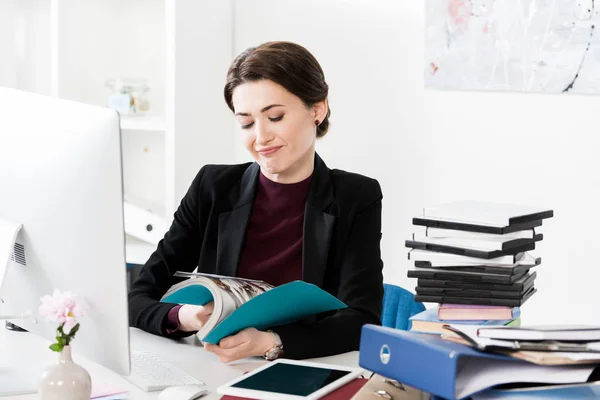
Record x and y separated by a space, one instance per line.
228 295
224 305
240 290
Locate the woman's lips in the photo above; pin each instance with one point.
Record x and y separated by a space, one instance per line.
269 151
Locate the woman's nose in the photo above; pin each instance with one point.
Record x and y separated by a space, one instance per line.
263 134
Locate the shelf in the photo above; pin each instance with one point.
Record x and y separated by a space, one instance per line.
137 252
155 124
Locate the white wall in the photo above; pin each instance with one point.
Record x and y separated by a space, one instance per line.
34 72
428 146
25 45
111 39
8 50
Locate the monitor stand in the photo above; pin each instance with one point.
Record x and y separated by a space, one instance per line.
8 236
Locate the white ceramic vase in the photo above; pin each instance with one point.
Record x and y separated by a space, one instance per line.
65 380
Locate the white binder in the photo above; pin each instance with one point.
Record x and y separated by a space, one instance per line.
144 223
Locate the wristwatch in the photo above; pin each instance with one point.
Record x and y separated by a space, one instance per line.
276 351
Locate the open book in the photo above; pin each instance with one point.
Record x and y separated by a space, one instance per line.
243 303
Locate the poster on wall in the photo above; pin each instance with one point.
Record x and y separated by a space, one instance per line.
547 46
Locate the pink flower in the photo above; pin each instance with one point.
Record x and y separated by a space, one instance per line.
61 307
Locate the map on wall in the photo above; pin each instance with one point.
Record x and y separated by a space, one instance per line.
550 46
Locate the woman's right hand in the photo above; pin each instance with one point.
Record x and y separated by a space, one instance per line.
192 318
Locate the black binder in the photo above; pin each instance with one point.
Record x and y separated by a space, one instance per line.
484 254
476 300
449 292
460 276
487 269
522 284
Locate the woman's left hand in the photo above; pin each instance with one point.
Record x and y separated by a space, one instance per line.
247 343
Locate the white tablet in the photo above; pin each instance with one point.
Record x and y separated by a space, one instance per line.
290 379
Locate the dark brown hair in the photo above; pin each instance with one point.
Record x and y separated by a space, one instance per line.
287 64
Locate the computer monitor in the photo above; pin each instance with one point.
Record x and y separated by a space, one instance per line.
61 178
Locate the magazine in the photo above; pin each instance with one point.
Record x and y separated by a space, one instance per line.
243 303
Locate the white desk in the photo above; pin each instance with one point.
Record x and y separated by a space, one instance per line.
187 354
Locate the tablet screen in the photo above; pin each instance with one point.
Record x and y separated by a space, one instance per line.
298 380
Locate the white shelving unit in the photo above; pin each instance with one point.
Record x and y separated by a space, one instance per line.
144 123
182 48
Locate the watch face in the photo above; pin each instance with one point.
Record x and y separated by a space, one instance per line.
273 353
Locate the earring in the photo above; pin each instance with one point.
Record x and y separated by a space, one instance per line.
317 122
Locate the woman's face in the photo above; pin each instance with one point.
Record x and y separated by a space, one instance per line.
277 129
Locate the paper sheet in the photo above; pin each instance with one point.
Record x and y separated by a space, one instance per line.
479 374
105 392
556 392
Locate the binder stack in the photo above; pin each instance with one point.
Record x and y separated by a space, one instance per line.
475 258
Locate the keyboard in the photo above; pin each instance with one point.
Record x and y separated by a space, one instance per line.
151 372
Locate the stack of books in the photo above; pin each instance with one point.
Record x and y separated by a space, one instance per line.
474 258
434 319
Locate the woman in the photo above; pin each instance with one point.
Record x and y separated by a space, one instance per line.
286 216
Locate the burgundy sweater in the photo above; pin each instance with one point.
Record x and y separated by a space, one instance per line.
272 250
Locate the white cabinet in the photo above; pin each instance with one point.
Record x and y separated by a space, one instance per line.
182 48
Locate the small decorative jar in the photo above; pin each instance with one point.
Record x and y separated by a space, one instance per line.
128 96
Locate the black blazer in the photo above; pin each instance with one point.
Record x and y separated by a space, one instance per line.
341 253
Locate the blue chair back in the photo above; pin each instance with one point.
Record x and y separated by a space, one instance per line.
398 306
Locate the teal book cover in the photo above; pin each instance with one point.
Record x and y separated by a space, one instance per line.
242 303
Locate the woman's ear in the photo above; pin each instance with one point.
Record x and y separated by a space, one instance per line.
319 110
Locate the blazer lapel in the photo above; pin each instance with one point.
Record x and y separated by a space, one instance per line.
317 230
232 224
318 225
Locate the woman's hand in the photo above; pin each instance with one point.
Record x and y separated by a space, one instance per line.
247 343
192 318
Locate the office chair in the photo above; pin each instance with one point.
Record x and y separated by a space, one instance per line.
398 306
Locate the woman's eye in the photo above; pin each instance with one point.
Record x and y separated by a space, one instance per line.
276 119
248 126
